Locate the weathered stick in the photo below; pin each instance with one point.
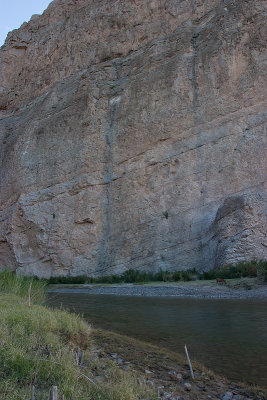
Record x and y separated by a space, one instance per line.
79 357
53 393
32 392
29 294
189 362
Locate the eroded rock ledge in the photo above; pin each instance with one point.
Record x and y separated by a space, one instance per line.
133 136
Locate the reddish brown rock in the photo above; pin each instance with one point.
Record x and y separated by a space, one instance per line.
132 136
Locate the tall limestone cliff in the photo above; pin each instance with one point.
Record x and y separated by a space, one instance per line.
132 136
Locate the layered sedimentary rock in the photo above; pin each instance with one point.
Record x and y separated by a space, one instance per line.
132 136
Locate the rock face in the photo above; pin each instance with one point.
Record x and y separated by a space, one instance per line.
132 136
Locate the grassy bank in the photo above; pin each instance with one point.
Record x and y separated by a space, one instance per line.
249 269
23 287
39 346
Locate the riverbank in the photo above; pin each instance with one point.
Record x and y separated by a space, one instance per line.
233 289
168 372
43 348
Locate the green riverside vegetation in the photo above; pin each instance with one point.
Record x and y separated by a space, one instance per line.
39 345
250 269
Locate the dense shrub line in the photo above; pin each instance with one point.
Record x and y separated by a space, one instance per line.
240 270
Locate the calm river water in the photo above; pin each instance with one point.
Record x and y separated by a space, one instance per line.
227 336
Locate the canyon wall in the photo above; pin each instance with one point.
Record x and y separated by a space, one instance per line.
133 135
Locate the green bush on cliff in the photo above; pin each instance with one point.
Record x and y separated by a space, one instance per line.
262 270
240 270
244 269
69 279
129 276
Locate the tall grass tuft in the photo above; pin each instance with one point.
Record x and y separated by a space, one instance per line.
38 347
20 285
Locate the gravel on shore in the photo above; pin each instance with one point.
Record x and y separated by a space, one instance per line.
184 290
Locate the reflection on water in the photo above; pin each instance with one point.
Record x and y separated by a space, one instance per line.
227 336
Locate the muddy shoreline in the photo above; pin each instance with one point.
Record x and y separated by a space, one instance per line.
168 372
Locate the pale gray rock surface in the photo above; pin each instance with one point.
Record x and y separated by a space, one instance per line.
133 135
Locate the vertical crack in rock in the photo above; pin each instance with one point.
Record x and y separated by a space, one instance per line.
106 256
195 101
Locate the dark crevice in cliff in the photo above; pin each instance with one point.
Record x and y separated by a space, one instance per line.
195 102
105 254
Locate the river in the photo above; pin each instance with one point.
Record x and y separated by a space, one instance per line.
227 336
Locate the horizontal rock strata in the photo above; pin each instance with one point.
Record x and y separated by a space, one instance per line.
133 135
